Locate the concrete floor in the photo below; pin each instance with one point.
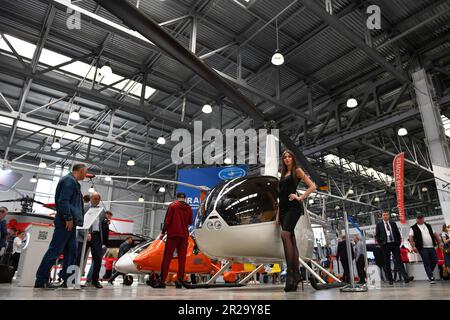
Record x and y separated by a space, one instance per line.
417 290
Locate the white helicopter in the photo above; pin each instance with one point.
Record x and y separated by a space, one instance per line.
236 223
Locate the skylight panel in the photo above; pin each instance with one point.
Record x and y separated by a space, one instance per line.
23 48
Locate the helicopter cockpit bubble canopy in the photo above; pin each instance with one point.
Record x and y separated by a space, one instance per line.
241 201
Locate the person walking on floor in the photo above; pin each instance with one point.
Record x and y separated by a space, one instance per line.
424 240
360 259
341 255
388 236
124 248
176 227
69 214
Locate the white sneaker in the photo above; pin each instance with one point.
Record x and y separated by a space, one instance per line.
432 281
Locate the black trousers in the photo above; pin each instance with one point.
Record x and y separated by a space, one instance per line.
97 254
15 260
395 250
360 266
346 267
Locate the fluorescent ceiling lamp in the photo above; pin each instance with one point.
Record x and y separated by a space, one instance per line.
33 179
161 140
277 58
402 132
207 108
42 164
74 115
56 145
131 162
108 178
352 103
162 189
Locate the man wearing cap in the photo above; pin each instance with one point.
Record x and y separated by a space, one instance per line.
424 240
176 227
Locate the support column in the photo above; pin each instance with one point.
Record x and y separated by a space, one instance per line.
435 138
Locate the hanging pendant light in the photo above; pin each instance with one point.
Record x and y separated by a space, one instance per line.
277 58
105 72
91 189
352 103
33 179
207 108
161 140
42 164
131 162
141 199
402 132
56 145
107 178
74 115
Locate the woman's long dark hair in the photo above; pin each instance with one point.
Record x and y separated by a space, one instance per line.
284 168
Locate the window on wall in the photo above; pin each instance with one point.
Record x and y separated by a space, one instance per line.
45 190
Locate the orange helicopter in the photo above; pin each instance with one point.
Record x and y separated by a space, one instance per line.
149 261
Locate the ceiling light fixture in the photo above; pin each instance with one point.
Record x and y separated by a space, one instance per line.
162 189
131 162
141 199
277 58
350 191
227 161
33 179
91 189
424 189
75 115
105 71
42 164
56 145
207 108
352 103
161 140
108 178
377 199
311 201
402 132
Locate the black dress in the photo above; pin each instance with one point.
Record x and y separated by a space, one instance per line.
290 211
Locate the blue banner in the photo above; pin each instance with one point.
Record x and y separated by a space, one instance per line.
209 177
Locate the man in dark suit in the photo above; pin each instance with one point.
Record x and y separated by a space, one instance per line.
341 255
388 237
69 215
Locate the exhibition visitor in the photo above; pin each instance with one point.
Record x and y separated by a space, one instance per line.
289 211
3 230
388 236
69 215
424 240
176 227
360 259
105 221
124 248
17 249
445 236
342 256
95 241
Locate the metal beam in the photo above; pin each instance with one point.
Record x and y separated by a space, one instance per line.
347 137
136 20
358 42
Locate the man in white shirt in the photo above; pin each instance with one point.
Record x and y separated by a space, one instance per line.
17 249
424 240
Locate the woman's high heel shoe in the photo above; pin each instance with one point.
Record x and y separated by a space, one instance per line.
291 283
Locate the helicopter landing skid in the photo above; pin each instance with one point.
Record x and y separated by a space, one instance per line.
211 283
316 281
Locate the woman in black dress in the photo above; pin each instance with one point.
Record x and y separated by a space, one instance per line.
290 209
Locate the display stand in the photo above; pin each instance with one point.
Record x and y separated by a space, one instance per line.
352 287
89 218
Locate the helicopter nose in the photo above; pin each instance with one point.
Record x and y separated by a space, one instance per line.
125 264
